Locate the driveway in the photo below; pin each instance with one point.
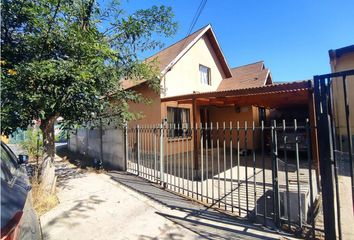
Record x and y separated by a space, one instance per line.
122 206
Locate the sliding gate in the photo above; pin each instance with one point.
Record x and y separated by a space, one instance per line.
263 172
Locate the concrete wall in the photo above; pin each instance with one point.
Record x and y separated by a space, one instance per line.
184 77
88 142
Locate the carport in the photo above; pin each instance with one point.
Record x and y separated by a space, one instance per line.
292 95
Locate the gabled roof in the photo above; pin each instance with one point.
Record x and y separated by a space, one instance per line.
169 56
246 76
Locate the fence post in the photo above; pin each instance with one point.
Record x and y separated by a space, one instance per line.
101 140
325 155
125 147
87 132
138 148
349 135
276 200
161 156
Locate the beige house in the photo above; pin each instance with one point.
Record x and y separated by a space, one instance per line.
195 64
199 87
342 59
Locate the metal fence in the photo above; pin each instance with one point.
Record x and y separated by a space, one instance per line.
334 103
263 171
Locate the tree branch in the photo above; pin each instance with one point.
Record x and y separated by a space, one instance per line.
50 27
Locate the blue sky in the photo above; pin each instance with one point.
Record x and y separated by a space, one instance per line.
292 37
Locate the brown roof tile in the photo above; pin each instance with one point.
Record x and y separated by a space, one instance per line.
250 75
167 55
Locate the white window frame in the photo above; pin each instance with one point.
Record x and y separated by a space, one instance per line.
202 75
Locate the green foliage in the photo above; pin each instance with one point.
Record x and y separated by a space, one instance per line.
61 135
66 58
32 142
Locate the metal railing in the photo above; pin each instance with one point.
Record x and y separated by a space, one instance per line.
263 172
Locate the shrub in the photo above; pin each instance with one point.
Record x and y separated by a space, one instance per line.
33 143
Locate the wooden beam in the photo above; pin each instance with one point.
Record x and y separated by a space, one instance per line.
202 100
314 137
185 101
195 141
269 100
216 102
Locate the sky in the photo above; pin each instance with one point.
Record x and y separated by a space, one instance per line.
292 37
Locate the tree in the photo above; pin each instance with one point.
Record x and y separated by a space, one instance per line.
66 58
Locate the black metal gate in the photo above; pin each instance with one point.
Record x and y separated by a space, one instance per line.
334 98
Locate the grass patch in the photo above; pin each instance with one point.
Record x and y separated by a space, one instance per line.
42 202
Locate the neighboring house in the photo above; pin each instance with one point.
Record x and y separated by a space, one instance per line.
342 59
198 87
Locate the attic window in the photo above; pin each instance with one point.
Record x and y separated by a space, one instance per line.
204 75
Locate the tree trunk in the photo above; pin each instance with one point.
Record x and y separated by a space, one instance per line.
47 127
47 176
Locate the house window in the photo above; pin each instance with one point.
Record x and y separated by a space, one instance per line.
179 120
204 75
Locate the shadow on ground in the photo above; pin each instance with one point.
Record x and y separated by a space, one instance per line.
75 215
70 166
79 160
206 222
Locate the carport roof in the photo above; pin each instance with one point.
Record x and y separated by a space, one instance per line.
269 96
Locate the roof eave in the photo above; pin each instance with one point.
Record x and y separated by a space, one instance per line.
183 52
217 48
336 53
290 86
223 61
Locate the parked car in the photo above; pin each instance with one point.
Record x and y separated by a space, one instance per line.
18 218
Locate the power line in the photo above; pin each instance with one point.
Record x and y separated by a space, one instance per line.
196 16
194 21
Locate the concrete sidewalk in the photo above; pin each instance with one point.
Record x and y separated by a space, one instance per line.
118 205
207 223
92 206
